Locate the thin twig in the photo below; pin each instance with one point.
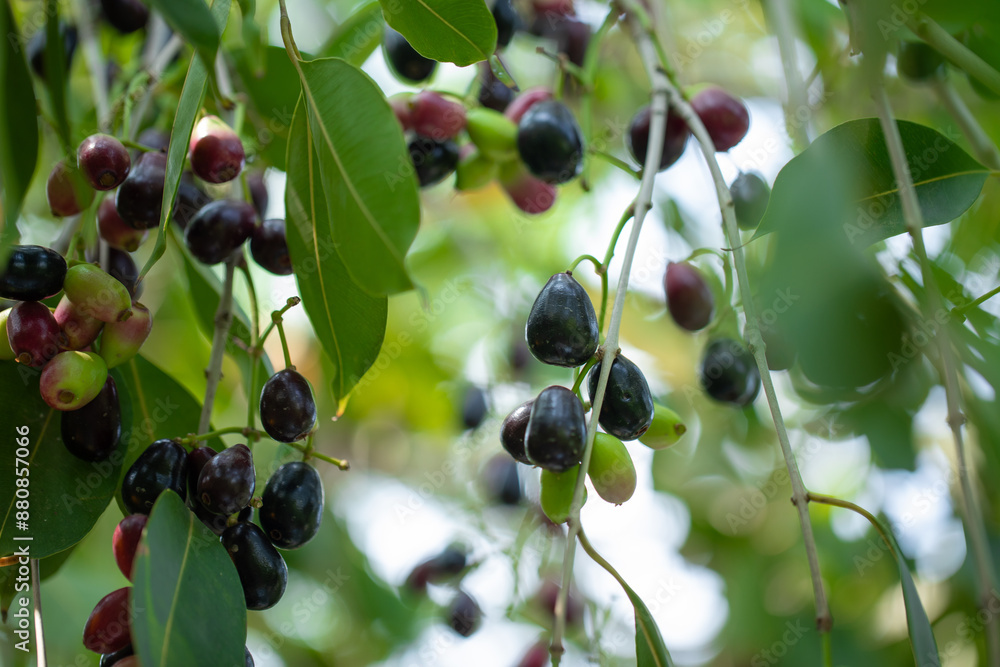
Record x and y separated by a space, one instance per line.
223 319
961 310
984 148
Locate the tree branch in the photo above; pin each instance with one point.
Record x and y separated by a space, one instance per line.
223 319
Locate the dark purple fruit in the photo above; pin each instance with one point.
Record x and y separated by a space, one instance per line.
493 93
750 195
269 247
404 60
729 373
218 229
918 62
689 298
725 117
32 273
292 505
258 192
36 48
674 140
571 35
513 430
215 151
507 20
112 659
247 658
125 541
261 568
92 432
464 614
287 407
226 482
197 458
433 160
67 191
562 325
627 410
473 407
162 466
550 143
557 430
154 139
107 629
218 523
122 267
190 200
34 334
103 161
115 231
125 15
501 480
140 196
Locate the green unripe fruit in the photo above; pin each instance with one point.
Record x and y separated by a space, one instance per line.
557 493
666 429
611 469
97 294
6 351
475 171
121 340
70 380
494 134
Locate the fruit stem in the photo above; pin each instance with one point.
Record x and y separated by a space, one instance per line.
824 620
255 338
291 303
251 434
914 225
582 373
986 151
586 258
846 504
959 54
284 342
638 209
616 162
287 38
340 463
223 319
565 67
961 310
783 22
626 216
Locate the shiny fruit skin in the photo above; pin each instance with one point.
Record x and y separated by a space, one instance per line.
556 495
689 298
262 571
292 506
493 93
67 191
103 161
71 380
125 16
433 161
215 151
464 614
550 142
190 199
32 273
269 247
162 466
122 268
226 482
125 541
725 117
287 407
524 101
513 430
562 326
627 410
611 469
665 430
404 61
33 334
750 194
507 21
114 659
121 340
674 140
197 458
116 231
140 196
108 627
92 432
556 430
97 294
218 229
435 116
729 373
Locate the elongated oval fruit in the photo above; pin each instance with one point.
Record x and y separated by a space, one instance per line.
665 430
92 432
125 541
531 195
433 160
72 379
97 294
108 628
103 161
67 191
292 505
611 469
562 325
32 273
215 151
725 117
140 197
435 116
226 482
557 430
219 228
493 133
261 568
269 247
287 407
404 61
162 466
514 429
627 410
550 142
750 193
197 458
501 480
80 330
556 496
464 614
729 373
689 299
33 334
674 139
121 340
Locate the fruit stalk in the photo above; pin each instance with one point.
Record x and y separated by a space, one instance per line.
986 151
223 318
254 336
949 371
824 620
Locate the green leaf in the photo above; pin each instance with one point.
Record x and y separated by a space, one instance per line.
66 495
650 651
367 176
273 89
455 31
192 20
187 603
18 130
349 323
947 181
356 38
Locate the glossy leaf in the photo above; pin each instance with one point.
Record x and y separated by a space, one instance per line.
18 130
455 31
356 38
349 323
192 20
650 651
367 176
946 178
66 495
187 604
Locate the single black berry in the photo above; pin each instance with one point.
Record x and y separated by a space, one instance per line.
287 406
103 161
122 267
689 299
750 195
197 458
404 60
190 199
513 430
627 410
292 505
91 433
674 139
562 325
218 229
226 482
162 466
464 614
556 430
507 20
493 93
269 247
125 15
550 142
262 570
473 407
433 160
32 273
729 373
140 196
